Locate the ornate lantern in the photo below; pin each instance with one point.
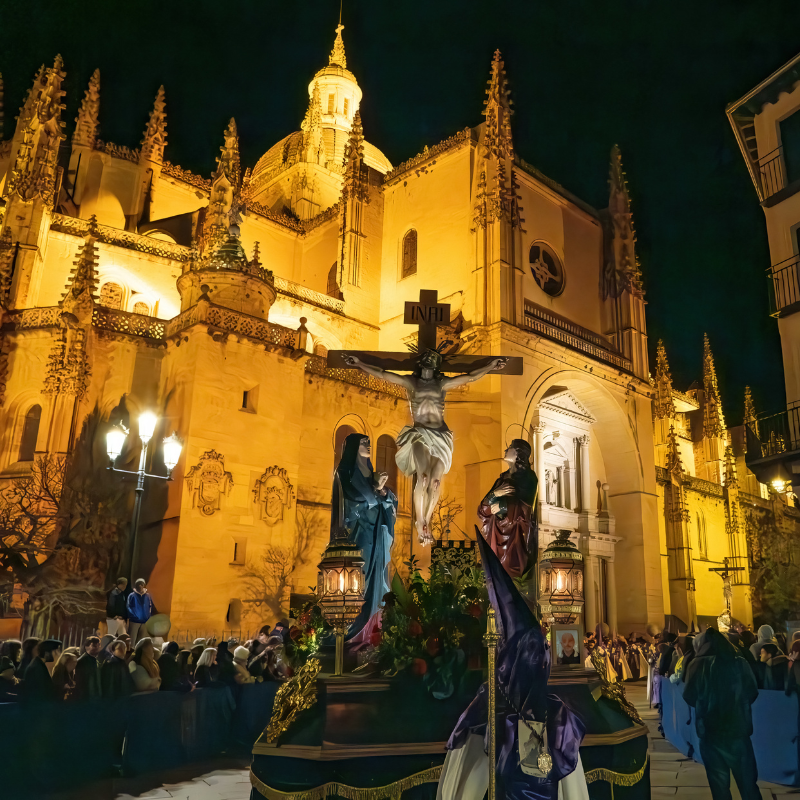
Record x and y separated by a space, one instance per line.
340 587
561 580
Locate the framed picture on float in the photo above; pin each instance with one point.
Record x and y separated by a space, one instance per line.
566 643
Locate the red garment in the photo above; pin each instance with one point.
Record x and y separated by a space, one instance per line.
508 537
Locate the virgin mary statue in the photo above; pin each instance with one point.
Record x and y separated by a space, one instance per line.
368 509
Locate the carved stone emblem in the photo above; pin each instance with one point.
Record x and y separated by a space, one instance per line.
273 494
208 481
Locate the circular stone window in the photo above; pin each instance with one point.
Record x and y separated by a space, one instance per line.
546 269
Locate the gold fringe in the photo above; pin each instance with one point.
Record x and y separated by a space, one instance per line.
618 778
391 792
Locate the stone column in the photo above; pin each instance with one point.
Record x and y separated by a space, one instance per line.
589 592
611 588
538 464
586 491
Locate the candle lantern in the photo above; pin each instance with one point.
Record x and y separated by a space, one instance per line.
340 587
561 580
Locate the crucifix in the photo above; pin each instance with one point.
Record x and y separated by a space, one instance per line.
425 448
725 574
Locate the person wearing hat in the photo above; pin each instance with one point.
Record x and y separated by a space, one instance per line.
240 657
9 685
140 609
39 686
87 671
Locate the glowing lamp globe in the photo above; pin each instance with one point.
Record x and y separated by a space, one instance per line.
561 580
147 426
172 451
115 440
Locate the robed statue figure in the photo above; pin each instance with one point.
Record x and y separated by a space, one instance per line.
368 509
508 519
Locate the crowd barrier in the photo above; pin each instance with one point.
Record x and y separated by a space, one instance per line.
775 732
52 746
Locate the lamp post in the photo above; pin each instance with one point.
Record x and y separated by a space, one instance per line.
115 440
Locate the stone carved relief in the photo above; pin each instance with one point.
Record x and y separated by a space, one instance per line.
273 494
208 481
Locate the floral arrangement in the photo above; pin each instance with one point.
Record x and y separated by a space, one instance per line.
433 629
306 635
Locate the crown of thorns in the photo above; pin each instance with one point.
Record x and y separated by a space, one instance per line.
438 350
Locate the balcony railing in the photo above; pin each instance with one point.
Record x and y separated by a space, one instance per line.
775 434
785 287
773 172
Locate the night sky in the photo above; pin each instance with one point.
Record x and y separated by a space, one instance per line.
654 77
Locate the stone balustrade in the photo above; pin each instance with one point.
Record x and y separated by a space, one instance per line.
318 366
295 290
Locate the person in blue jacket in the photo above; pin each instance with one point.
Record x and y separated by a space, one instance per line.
140 609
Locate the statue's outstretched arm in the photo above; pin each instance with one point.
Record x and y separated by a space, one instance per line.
461 380
376 372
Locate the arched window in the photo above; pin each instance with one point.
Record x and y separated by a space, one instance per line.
546 269
333 284
384 460
320 350
338 442
410 254
702 537
141 308
30 433
111 295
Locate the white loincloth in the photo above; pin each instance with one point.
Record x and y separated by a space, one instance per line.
437 441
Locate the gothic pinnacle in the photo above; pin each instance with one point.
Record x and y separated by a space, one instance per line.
87 121
337 56
664 404
713 419
155 134
228 163
497 110
83 276
731 479
674 463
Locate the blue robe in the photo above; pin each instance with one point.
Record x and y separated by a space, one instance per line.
369 517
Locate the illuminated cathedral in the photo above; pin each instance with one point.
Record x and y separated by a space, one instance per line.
127 282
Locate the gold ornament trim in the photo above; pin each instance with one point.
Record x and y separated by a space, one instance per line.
298 694
392 791
611 687
617 778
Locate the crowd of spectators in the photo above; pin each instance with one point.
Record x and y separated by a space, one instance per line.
124 662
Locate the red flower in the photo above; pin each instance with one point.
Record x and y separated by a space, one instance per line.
305 618
419 666
310 631
432 645
375 638
414 628
295 633
474 610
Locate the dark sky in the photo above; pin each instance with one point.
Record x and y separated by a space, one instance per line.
654 77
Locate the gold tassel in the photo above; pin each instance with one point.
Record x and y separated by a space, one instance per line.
618 778
393 791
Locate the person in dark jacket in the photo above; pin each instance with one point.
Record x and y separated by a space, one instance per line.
12 648
117 607
793 673
29 652
9 685
226 672
776 667
721 688
115 677
667 651
39 686
169 669
140 609
87 671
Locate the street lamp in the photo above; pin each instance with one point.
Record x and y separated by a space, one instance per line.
115 440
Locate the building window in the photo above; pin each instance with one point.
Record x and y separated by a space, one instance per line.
546 269
790 140
702 536
141 308
333 284
239 552
250 400
410 253
346 105
384 459
320 350
331 103
111 295
234 615
30 433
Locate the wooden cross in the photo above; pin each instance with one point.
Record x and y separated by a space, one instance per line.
427 314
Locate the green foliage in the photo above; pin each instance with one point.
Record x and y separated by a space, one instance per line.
431 628
307 634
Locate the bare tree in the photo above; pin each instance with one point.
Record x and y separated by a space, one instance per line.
269 576
444 516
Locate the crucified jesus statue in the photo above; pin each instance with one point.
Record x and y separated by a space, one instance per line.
425 449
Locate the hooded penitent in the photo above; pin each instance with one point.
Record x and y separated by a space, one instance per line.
523 668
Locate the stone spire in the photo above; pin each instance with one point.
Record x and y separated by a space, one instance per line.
750 411
155 134
86 123
622 271
337 56
228 163
664 405
355 179
81 288
6 262
313 144
713 419
731 480
497 110
674 463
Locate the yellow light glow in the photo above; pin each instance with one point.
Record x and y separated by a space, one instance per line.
559 581
341 582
